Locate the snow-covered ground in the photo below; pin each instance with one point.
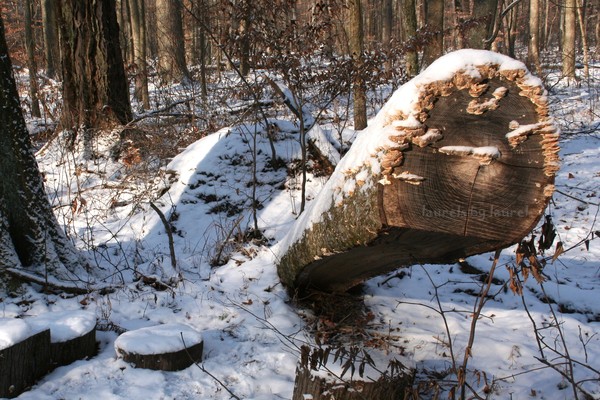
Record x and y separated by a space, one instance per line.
225 285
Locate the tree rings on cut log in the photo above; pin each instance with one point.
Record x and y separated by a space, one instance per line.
461 161
168 347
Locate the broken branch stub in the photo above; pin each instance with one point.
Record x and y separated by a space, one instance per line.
460 161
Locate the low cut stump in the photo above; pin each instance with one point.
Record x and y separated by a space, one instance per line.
168 347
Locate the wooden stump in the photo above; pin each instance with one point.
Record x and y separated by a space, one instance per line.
311 385
72 335
169 347
460 161
25 361
31 347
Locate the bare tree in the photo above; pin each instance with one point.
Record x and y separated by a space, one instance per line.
51 48
356 45
171 49
95 87
483 13
568 38
137 12
30 236
409 30
533 46
31 63
434 18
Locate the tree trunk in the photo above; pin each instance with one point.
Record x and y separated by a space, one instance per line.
434 18
483 13
31 64
510 34
356 45
95 87
568 39
30 236
51 47
244 35
472 171
171 48
387 29
533 46
137 12
125 38
409 30
584 42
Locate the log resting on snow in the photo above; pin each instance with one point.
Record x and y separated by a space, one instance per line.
460 161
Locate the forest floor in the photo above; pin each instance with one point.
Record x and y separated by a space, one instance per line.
225 284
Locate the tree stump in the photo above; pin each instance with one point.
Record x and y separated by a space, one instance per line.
72 335
317 385
169 347
460 161
24 356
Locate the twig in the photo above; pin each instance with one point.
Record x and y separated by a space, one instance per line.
167 226
205 371
477 308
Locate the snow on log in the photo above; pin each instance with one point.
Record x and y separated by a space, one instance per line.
72 335
33 346
461 160
168 347
24 356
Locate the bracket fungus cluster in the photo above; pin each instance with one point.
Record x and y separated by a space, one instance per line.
461 160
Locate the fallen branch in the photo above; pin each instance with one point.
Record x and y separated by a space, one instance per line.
167 226
58 285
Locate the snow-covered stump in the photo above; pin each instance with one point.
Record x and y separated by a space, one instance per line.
24 356
168 347
461 160
31 347
72 335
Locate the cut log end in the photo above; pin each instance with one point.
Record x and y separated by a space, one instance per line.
475 176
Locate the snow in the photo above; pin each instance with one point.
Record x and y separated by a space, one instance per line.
13 331
483 151
251 329
64 325
160 339
520 130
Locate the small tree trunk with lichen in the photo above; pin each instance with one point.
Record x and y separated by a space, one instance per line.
471 170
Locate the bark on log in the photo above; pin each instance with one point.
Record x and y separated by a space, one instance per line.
23 363
460 161
78 348
44 342
72 335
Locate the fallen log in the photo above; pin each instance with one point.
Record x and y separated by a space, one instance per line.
461 160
